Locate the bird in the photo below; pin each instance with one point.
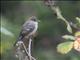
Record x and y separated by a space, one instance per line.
29 28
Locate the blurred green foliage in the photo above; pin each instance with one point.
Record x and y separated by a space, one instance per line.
14 14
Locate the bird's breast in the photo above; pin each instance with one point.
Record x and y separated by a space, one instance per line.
35 29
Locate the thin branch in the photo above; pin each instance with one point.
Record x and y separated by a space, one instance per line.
28 52
59 15
56 9
20 54
29 48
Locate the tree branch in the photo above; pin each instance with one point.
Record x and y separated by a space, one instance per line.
29 48
56 9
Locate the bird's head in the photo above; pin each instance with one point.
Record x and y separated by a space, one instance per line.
33 18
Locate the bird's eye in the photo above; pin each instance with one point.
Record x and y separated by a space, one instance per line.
34 19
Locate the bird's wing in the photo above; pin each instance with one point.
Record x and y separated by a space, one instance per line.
26 29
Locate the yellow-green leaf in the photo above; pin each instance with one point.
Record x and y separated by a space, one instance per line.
77 33
69 28
68 37
78 19
65 47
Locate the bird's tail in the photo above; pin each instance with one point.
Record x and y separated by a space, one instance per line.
20 38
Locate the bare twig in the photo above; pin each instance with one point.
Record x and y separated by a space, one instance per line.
29 48
59 15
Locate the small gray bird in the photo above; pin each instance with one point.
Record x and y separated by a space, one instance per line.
29 28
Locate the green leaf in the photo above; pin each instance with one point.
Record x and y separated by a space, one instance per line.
69 28
68 37
6 32
59 16
65 47
78 19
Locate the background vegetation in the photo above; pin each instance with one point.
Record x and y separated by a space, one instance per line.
15 13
